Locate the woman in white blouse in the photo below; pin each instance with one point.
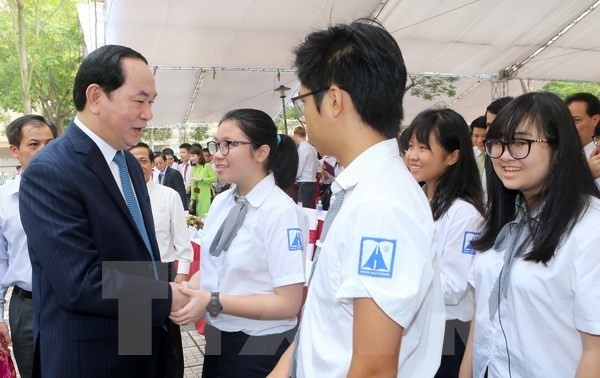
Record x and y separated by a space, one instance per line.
537 285
252 279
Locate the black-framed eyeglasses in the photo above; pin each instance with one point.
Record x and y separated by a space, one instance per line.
223 146
596 140
517 148
300 104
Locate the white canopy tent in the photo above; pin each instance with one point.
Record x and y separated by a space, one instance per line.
212 56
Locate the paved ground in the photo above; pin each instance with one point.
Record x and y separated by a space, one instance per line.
193 346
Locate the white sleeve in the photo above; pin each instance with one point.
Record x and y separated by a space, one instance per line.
457 254
390 258
585 278
302 160
285 246
180 237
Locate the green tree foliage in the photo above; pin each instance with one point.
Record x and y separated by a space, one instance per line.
198 134
565 88
153 136
430 87
53 53
292 117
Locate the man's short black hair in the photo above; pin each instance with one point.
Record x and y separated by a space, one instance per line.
14 130
103 67
592 102
478 123
144 145
497 105
364 60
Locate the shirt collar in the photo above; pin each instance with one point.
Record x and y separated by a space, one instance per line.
363 164
106 149
259 193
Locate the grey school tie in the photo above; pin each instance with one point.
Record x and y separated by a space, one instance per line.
229 227
331 214
132 204
514 238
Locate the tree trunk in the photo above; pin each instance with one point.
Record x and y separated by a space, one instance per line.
23 58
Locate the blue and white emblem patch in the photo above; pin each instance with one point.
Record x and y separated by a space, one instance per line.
294 239
466 247
376 257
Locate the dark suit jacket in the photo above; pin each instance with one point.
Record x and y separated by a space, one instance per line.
174 180
76 219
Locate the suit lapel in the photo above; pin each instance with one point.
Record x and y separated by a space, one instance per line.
96 163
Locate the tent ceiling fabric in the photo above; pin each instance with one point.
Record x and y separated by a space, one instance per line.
248 41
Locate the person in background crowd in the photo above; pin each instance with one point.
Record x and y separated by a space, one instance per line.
170 158
185 168
171 234
537 280
327 166
585 110
306 177
252 277
478 133
375 294
84 206
218 186
27 135
201 188
207 155
170 177
494 108
440 155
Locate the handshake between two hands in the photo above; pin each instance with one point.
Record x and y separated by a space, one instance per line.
188 303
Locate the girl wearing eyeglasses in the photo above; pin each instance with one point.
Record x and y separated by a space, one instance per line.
252 271
201 188
537 283
439 153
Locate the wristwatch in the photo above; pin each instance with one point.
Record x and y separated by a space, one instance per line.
214 307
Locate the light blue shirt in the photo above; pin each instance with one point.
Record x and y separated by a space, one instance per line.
15 266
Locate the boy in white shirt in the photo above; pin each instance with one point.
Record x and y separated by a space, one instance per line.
374 304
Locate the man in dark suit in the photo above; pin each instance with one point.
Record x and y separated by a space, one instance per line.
170 177
86 211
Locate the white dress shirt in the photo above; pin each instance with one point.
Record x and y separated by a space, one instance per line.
379 246
15 266
547 307
267 252
308 163
453 232
186 172
171 229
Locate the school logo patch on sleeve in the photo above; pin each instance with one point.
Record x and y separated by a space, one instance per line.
376 257
467 247
294 239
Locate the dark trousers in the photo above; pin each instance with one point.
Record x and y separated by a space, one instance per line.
306 193
20 316
236 354
455 338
